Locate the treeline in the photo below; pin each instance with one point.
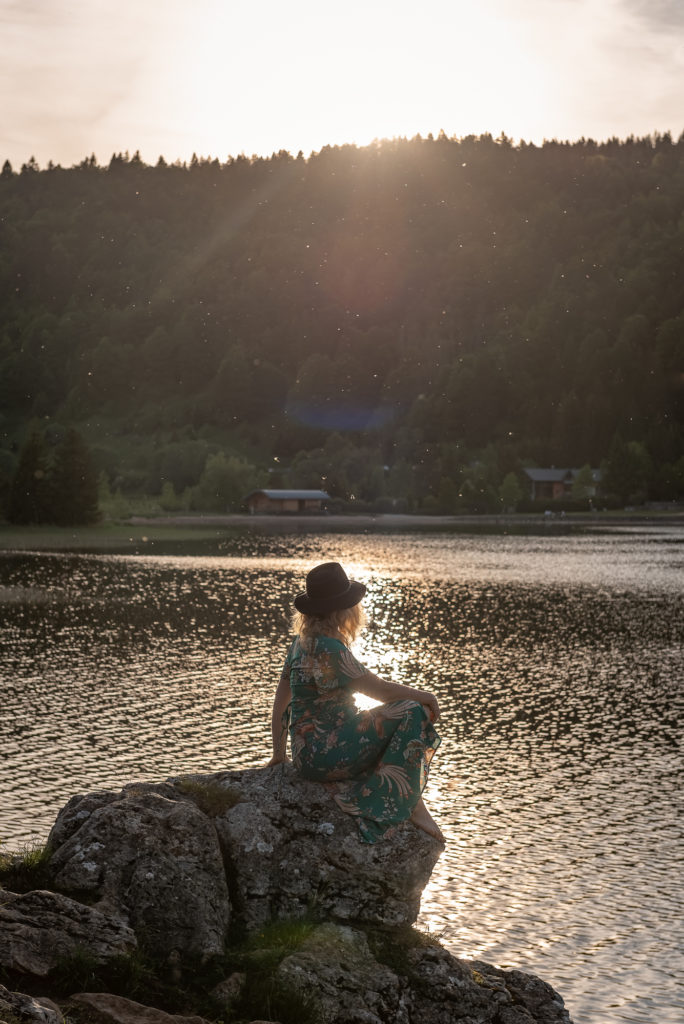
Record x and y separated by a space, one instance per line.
411 321
54 482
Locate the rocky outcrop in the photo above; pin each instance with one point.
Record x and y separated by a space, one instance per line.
428 985
38 929
186 869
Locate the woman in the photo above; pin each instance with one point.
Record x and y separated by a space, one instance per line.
382 754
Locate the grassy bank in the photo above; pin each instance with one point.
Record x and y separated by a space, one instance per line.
115 537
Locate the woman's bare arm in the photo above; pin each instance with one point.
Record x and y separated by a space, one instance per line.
283 696
384 690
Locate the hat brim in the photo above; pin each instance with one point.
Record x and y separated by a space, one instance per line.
308 606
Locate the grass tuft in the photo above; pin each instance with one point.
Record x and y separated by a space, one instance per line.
393 948
269 999
284 936
211 797
27 870
137 976
78 971
265 996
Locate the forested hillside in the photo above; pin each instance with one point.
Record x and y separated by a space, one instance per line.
412 320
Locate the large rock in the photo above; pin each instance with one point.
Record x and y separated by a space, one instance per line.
290 850
38 929
336 968
275 846
149 854
28 1009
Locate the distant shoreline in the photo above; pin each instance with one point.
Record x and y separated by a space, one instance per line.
140 533
675 518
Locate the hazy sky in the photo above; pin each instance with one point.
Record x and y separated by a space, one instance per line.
221 77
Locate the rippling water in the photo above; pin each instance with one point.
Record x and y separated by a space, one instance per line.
558 662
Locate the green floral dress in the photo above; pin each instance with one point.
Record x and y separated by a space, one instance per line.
381 754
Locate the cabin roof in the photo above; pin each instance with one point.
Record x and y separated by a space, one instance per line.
291 495
553 475
547 475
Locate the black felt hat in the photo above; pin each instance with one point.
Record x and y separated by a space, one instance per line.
328 589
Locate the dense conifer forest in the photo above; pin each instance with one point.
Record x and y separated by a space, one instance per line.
406 324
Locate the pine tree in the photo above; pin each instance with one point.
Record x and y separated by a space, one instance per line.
74 483
29 500
510 492
584 485
625 473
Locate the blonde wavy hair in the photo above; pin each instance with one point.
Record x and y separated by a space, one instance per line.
346 623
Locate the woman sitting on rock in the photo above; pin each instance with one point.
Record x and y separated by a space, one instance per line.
381 754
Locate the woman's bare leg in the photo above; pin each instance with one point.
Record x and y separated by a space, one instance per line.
422 818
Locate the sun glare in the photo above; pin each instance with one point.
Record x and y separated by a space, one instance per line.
219 78
320 77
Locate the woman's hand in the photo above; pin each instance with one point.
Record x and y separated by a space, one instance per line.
429 701
278 759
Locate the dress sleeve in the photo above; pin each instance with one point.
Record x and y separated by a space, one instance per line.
288 660
347 668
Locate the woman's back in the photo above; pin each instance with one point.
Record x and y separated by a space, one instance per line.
321 669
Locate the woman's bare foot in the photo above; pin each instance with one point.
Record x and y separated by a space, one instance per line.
422 818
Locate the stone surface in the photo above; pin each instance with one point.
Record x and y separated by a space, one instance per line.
228 992
151 855
76 812
335 966
32 1009
541 1002
38 928
291 850
104 1008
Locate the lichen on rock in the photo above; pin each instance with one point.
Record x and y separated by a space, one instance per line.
291 852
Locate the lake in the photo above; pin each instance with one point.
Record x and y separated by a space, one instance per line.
558 660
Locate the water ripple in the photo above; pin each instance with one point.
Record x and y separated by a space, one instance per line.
558 664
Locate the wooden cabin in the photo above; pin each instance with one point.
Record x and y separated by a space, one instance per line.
286 502
552 484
